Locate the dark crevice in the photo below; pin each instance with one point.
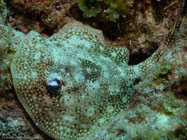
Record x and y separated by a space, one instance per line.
137 58
180 89
141 56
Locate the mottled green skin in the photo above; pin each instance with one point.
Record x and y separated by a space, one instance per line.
97 80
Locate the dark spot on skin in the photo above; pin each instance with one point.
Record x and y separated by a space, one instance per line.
94 73
120 132
136 81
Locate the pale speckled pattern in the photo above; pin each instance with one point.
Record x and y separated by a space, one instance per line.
96 80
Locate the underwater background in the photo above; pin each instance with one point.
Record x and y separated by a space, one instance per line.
108 96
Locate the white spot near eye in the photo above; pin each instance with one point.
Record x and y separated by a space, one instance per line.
53 83
53 79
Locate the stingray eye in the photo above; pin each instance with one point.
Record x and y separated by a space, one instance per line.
54 86
54 83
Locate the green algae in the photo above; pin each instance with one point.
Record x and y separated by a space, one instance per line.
114 8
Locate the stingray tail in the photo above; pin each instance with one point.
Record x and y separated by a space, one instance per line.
143 66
